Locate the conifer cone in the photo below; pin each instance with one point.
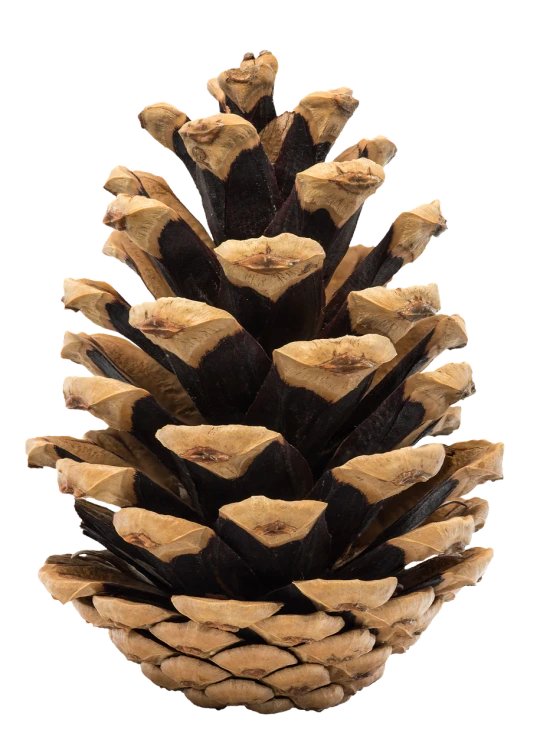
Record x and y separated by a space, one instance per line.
261 497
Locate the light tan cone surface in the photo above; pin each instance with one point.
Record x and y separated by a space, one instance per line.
224 529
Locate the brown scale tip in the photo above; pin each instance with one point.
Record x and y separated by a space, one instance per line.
160 327
347 363
278 527
410 477
140 539
205 454
266 262
416 310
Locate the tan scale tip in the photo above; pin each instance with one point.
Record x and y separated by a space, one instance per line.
89 613
322 698
225 450
105 398
193 639
381 476
380 149
154 674
293 629
123 181
467 572
215 142
391 312
340 188
45 451
361 177
248 83
326 113
254 661
270 266
130 615
332 368
236 692
293 681
336 648
274 522
476 507
224 614
164 536
346 595
397 610
190 672
447 537
106 483
138 648
161 120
